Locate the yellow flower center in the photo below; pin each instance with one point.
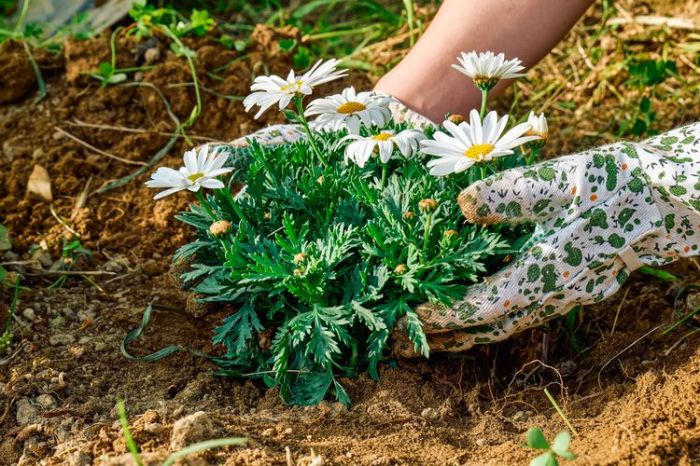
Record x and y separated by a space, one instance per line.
351 107
485 83
195 176
479 151
293 86
382 137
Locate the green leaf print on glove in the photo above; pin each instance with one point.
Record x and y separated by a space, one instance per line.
600 215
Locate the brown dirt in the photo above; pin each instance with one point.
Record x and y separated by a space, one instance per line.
59 382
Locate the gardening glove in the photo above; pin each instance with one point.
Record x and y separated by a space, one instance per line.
599 215
288 133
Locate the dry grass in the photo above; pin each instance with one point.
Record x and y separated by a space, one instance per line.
584 84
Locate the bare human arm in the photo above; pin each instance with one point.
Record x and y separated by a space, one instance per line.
526 29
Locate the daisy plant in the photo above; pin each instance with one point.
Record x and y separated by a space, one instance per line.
339 233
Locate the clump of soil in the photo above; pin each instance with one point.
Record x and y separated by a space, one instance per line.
16 74
631 403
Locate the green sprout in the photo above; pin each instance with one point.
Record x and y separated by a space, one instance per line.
128 438
558 449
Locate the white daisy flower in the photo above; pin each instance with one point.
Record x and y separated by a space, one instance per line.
269 90
538 126
486 69
351 109
473 142
200 171
362 147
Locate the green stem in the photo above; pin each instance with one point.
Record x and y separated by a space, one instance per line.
560 412
408 5
193 71
203 201
113 48
426 234
20 20
234 205
484 98
385 171
309 135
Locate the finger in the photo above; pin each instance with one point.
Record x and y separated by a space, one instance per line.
574 259
577 293
520 194
516 286
550 191
516 322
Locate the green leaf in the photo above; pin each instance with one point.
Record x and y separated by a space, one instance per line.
561 441
564 454
105 70
536 439
545 459
117 78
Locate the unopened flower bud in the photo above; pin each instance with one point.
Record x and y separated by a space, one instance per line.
267 215
220 227
320 179
450 233
539 128
400 269
428 205
456 118
299 258
298 272
408 215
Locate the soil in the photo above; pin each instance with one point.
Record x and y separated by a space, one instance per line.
631 395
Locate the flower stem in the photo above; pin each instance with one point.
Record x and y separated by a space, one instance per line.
305 124
385 170
426 233
484 98
203 201
234 205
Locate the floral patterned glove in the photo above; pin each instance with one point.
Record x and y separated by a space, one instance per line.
288 133
600 215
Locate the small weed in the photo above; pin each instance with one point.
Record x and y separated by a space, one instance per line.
130 442
558 449
108 73
206 445
23 36
190 449
645 75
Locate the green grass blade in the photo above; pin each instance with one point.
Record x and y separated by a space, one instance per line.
206 445
130 442
560 412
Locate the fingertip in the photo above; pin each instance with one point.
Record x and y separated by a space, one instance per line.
474 209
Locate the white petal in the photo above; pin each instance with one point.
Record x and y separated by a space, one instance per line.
168 192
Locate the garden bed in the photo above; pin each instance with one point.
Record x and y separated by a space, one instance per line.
59 383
